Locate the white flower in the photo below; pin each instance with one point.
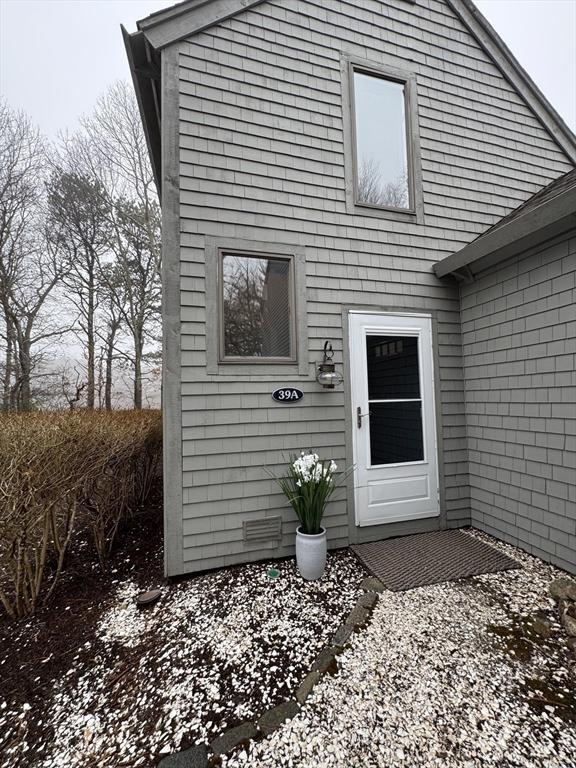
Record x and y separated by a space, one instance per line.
309 468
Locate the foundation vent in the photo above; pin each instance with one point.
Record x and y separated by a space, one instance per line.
265 529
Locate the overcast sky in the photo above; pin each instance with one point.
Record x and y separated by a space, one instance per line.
57 56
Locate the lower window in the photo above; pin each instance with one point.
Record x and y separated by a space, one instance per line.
256 308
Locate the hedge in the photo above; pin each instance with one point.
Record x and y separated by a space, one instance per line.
61 473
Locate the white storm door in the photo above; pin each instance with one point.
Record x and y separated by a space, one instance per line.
393 418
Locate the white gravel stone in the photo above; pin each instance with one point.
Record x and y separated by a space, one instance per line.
428 684
216 650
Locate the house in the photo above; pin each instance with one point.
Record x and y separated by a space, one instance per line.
341 176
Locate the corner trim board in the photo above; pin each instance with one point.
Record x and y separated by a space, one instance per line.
171 336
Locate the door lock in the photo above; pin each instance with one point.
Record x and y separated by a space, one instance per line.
360 416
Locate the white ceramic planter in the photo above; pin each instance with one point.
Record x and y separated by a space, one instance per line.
311 554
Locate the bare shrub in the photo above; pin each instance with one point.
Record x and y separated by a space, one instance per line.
59 471
130 451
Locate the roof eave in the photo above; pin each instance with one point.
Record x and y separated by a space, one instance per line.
188 18
503 57
143 78
552 218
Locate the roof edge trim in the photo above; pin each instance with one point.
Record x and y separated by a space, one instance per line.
502 56
537 225
189 18
134 44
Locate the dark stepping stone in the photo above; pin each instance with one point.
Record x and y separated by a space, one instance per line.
342 635
148 598
233 737
325 661
540 626
274 718
306 686
372 584
368 600
357 616
563 589
195 757
569 624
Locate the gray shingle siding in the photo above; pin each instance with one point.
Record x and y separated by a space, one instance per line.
262 158
519 350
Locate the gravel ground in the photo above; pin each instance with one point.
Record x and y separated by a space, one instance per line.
451 675
446 675
217 649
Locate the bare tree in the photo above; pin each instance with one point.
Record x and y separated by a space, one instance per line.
111 150
133 283
244 300
21 160
29 273
374 190
29 268
72 390
79 223
112 326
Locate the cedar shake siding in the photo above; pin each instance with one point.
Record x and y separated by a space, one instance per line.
264 135
519 350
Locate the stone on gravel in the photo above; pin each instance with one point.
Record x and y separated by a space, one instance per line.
563 589
372 584
357 616
325 660
367 600
233 737
569 623
195 757
274 718
306 686
540 626
342 635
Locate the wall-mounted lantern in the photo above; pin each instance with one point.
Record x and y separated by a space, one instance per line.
327 375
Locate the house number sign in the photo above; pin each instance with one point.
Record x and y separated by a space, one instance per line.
287 395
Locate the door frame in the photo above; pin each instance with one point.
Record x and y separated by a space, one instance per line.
358 534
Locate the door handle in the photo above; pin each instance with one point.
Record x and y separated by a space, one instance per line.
360 416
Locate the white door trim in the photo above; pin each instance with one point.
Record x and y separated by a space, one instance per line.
420 478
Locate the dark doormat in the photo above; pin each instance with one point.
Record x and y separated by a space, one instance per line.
430 558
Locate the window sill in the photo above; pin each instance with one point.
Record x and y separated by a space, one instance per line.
389 214
269 371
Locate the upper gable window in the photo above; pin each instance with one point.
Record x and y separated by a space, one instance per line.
382 156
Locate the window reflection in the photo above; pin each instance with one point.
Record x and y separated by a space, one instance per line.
381 153
256 306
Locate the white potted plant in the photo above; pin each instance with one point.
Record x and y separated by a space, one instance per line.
308 486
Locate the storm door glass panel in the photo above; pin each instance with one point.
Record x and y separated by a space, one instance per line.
381 148
394 400
392 367
256 307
